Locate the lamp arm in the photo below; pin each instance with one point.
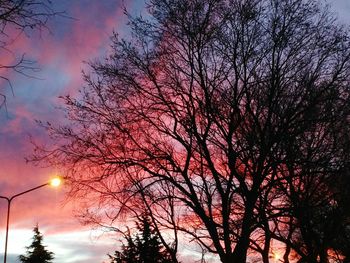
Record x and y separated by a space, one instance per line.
5 197
9 199
27 191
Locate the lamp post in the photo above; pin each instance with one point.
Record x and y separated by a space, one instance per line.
54 182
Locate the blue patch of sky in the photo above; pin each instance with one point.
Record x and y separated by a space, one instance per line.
341 9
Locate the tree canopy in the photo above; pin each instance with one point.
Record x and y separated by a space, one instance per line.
225 120
17 17
144 247
37 252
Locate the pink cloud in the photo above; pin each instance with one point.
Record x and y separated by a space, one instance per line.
61 57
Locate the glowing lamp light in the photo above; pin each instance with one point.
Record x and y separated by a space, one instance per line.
55 182
277 256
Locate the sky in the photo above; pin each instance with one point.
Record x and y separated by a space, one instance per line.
60 53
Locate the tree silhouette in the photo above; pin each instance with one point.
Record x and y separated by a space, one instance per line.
225 120
37 252
17 17
145 247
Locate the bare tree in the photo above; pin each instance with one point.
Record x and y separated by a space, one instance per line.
210 117
17 17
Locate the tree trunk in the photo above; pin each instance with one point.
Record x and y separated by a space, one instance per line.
241 249
323 255
266 251
286 254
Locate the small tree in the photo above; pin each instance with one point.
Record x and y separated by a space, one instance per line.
37 252
144 247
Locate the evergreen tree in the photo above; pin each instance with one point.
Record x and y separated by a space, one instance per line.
37 252
145 247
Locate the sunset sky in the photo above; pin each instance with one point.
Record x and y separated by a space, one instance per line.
59 53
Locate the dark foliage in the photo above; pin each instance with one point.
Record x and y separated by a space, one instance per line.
37 252
145 247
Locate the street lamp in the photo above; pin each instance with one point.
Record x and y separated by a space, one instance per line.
55 182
